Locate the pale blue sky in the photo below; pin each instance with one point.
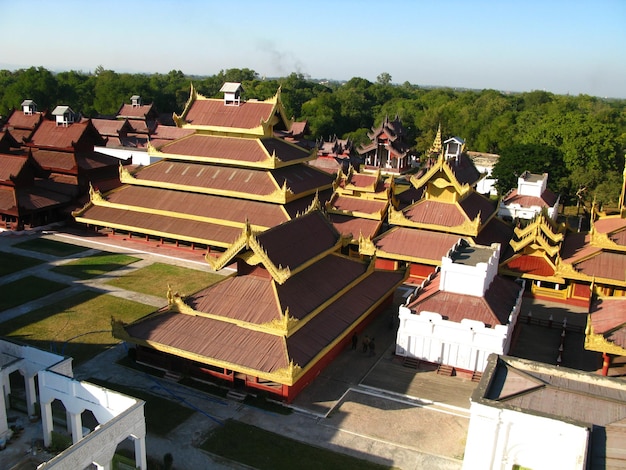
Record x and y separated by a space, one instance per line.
560 46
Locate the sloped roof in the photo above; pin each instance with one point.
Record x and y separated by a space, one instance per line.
52 159
50 135
531 265
355 226
299 178
11 165
302 239
356 204
492 309
213 112
134 112
111 127
608 318
547 199
237 150
605 264
19 120
556 392
415 244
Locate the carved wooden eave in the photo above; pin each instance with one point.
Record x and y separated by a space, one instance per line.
535 241
366 246
279 273
226 257
179 120
603 240
545 225
597 342
288 375
95 196
447 179
283 324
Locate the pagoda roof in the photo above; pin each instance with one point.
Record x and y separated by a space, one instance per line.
494 308
267 152
465 217
66 161
278 185
228 333
51 135
611 227
355 226
423 246
604 265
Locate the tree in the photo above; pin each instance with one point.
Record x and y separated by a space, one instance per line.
519 158
383 79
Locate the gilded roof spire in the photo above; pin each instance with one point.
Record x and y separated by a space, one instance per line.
437 145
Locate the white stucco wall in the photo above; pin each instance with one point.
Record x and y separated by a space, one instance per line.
137 156
499 438
465 345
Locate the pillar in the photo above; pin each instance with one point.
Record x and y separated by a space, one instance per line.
4 425
141 461
76 423
46 423
104 466
31 395
606 363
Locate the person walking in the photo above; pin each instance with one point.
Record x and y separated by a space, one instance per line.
366 343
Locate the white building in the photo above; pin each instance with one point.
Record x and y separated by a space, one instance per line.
526 414
461 314
529 199
119 416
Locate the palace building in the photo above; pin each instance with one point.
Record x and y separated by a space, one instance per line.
428 218
229 171
308 300
388 149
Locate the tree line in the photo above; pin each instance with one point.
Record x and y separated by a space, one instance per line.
579 140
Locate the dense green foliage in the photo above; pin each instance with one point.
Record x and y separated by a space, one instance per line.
588 133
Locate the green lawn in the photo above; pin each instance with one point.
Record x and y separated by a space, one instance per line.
78 326
95 265
155 278
265 450
162 415
12 263
26 289
50 247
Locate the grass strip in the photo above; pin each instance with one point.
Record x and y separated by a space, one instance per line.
11 263
95 265
78 326
50 247
26 289
162 415
266 450
155 278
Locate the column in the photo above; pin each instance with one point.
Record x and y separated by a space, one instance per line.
31 394
4 425
141 461
606 363
46 423
76 423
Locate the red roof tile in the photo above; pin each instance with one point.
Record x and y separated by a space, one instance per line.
130 111
547 199
428 211
476 204
11 165
418 244
19 120
38 198
237 150
299 240
170 132
213 112
356 204
175 228
111 127
492 309
576 246
606 265
190 205
48 134
355 226
7 199
533 265
232 297
55 160
214 339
